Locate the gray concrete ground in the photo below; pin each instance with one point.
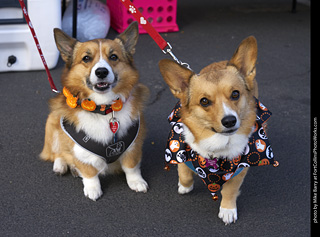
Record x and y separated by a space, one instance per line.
273 202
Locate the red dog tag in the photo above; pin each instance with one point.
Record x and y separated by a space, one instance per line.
114 125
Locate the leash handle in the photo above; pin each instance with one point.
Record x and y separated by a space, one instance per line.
163 45
35 38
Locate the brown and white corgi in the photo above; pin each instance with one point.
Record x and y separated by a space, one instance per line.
217 115
101 105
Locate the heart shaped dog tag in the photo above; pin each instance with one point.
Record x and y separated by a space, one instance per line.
114 125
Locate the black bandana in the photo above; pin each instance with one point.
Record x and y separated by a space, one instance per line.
216 171
109 152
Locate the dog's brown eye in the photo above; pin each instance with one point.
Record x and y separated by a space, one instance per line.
235 95
204 102
86 59
113 57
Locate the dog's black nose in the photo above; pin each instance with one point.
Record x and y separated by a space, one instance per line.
101 72
229 121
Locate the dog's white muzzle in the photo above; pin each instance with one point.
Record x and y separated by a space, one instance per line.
102 77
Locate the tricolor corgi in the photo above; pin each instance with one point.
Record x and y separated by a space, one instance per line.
96 125
218 125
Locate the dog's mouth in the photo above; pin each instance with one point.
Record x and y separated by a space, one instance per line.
228 132
102 86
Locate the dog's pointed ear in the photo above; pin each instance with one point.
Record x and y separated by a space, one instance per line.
65 45
176 76
245 58
129 37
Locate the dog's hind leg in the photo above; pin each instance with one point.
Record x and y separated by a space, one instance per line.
185 184
52 145
230 192
60 167
51 140
61 162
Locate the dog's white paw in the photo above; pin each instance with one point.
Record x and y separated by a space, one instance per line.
184 190
92 188
138 185
92 193
135 180
60 167
228 215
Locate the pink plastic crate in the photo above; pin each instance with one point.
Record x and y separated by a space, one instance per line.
162 14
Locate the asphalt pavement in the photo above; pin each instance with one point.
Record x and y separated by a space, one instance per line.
273 201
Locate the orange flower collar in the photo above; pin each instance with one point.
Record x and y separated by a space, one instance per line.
89 105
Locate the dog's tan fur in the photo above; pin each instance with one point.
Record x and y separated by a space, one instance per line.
75 75
215 82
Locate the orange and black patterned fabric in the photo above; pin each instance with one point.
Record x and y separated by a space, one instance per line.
215 171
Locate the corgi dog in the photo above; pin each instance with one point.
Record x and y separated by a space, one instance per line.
101 105
217 112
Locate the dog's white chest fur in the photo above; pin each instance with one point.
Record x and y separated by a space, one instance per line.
217 145
97 126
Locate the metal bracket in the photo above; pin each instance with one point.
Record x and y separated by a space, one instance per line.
56 91
169 50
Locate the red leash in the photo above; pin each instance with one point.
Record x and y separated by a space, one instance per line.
25 13
151 31
145 24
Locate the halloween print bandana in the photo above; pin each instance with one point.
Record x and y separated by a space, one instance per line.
216 171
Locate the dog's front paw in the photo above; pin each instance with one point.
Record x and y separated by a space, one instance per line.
228 215
184 190
92 188
135 180
92 193
139 185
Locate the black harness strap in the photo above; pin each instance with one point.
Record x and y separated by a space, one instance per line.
109 152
